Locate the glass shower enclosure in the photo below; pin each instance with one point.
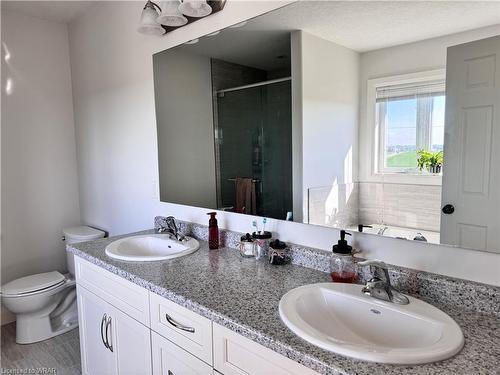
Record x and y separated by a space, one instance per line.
253 140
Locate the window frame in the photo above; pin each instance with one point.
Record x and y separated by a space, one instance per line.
376 157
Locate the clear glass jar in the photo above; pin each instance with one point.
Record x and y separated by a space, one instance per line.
262 240
247 246
343 269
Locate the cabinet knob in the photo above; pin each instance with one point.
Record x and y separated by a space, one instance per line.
448 209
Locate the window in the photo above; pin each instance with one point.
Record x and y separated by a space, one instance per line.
409 118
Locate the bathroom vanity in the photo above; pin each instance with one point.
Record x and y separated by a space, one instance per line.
216 312
127 329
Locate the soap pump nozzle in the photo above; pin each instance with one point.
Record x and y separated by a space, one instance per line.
342 246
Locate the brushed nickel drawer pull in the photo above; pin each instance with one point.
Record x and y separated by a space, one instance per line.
104 319
108 324
178 325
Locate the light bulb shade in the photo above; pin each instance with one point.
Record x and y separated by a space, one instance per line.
170 14
148 24
195 8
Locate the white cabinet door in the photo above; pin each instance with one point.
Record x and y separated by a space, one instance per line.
471 173
111 342
237 355
169 359
131 343
97 359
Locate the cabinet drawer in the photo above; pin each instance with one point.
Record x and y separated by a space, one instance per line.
182 326
126 296
237 355
169 359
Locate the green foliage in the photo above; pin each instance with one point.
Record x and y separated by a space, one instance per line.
406 159
428 159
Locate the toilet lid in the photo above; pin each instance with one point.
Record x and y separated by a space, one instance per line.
32 283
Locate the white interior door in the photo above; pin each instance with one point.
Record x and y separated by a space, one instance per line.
471 173
93 312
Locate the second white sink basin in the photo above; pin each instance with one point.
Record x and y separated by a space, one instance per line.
150 247
340 318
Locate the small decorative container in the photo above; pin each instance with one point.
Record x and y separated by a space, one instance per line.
247 246
262 240
343 267
278 252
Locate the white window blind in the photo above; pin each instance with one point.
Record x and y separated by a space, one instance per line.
409 91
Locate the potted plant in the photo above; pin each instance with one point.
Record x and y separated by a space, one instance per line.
431 161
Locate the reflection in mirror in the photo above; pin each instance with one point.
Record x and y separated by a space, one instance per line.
305 114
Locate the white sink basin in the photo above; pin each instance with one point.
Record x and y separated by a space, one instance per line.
150 247
340 318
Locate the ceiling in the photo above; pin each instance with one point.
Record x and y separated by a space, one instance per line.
369 25
56 11
359 25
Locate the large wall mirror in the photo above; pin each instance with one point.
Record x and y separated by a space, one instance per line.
373 116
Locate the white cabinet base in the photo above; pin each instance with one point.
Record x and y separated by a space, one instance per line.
124 330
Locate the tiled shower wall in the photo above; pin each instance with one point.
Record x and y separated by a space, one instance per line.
334 206
402 205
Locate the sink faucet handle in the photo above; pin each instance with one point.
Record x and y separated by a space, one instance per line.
378 268
380 285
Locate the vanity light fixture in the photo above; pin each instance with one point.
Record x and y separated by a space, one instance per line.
195 8
172 14
148 24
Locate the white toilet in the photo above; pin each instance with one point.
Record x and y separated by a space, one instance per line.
45 303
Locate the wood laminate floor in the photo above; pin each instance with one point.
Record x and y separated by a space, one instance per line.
59 355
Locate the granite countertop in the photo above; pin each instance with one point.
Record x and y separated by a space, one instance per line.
243 295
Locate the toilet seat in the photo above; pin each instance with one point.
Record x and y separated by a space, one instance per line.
33 284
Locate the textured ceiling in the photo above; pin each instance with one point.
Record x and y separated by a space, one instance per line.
359 25
369 25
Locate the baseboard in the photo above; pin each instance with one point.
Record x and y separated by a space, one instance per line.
6 316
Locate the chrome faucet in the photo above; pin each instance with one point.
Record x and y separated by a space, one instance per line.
172 229
379 286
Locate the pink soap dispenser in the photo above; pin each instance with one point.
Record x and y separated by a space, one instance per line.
213 232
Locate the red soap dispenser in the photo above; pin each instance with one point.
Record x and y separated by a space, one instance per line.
213 232
342 266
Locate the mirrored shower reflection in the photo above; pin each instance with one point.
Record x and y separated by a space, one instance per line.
253 146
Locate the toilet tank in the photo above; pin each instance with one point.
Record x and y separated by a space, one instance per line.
79 234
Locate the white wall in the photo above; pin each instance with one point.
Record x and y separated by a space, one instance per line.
183 92
329 101
330 95
114 113
39 175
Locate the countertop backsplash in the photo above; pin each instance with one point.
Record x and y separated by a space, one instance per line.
441 291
